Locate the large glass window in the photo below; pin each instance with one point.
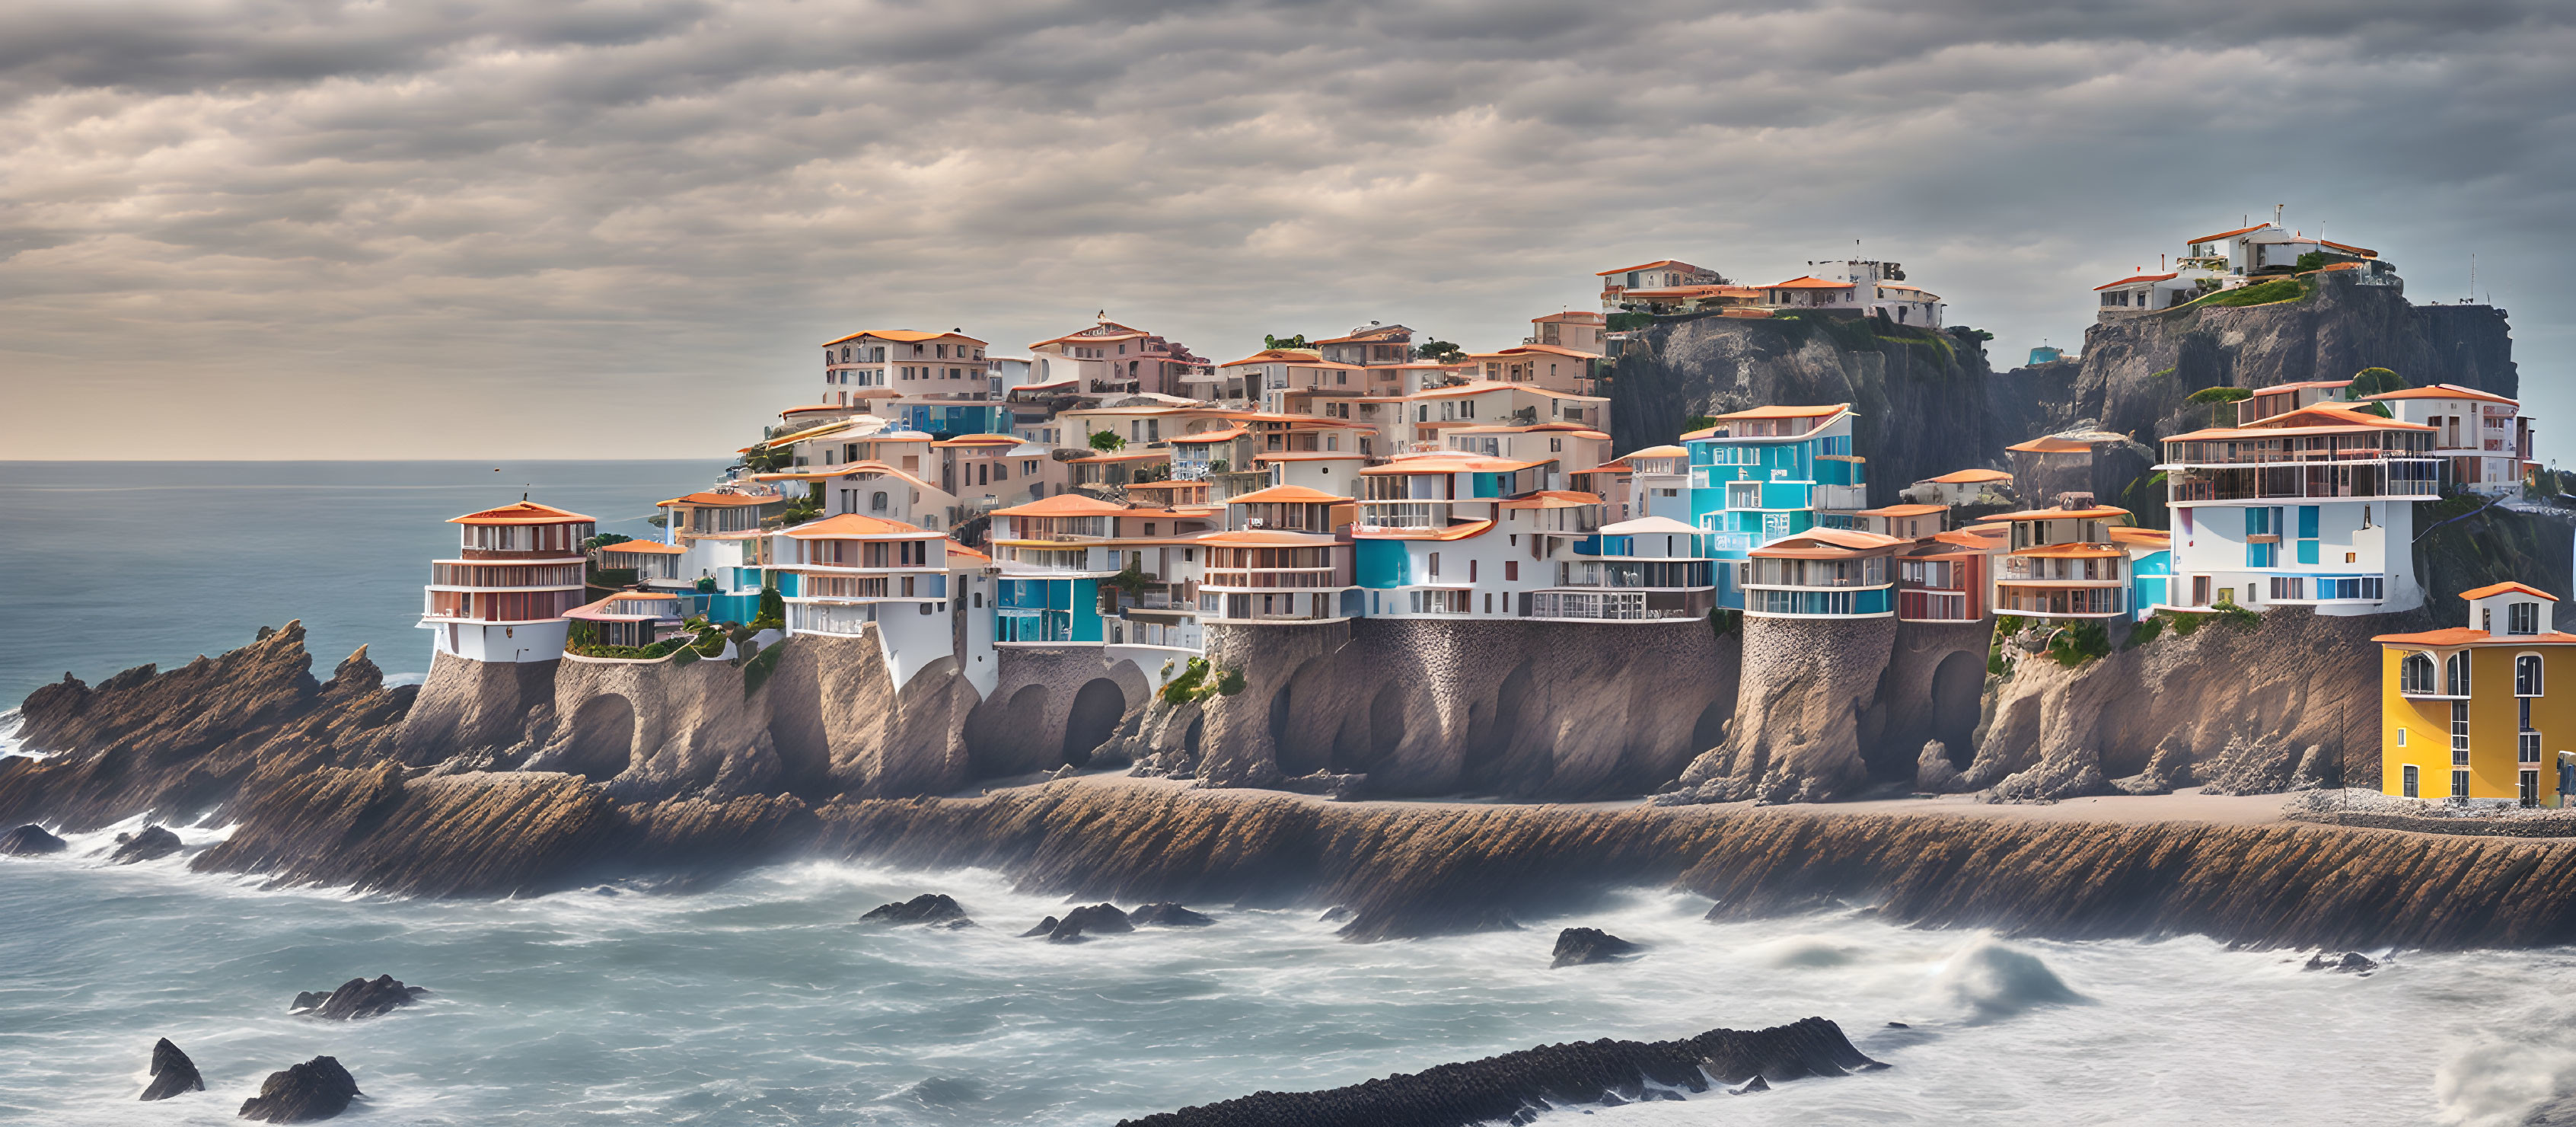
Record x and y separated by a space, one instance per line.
2415 675
2526 679
2522 618
2459 733
2455 675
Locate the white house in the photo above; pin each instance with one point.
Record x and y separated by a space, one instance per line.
2483 439
2310 507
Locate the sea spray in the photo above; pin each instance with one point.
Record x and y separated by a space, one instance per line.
1989 981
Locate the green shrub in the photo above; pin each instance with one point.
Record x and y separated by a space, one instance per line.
706 585
2373 381
756 671
2186 625
1229 682
1105 441
2273 292
1723 622
773 611
2147 630
2074 645
1186 686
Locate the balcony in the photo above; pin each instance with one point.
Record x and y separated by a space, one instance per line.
2287 479
1841 497
1271 579
2017 569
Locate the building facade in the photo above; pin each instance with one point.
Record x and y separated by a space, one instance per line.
503 596
2468 712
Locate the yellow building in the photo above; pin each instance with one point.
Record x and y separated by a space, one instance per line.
2467 713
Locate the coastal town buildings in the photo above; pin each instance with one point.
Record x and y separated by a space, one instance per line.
2483 439
2233 259
502 597
2467 712
899 362
2063 562
1823 573
1760 475
2313 506
1111 357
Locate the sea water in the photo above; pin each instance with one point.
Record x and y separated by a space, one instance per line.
766 1001
110 565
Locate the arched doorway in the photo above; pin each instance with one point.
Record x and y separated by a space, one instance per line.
1958 689
603 737
1097 708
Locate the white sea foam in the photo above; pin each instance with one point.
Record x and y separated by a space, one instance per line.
1989 981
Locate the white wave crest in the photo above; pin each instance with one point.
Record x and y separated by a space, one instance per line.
1990 982
2495 1083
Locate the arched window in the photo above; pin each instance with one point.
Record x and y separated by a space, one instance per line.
2526 675
2455 675
2415 675
877 502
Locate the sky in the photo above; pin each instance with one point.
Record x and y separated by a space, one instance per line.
274 229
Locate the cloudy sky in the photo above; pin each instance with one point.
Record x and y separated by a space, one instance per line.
264 228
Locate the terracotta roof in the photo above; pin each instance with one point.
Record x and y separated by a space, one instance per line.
2098 511
2070 552
521 512
1905 511
1655 265
1126 456
1289 494
1478 387
2051 445
2145 537
1091 335
1311 456
2135 279
2471 636
2332 420
1808 283
979 440
2348 249
1275 356
1374 335
813 407
2443 391
1227 434
2505 587
901 336
1968 477
646 547
2225 234
1573 315
1553 499
852 524
1453 532
1968 538
1844 538
956 550
1269 536
1065 505
1666 451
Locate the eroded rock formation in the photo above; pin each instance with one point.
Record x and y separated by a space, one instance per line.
1583 946
172 1073
1514 1087
316 1089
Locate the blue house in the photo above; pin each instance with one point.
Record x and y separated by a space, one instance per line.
1761 475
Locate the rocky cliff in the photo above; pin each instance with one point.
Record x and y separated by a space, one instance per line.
1926 402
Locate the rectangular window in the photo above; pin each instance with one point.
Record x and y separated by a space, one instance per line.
2410 782
2526 747
2459 784
1511 570
2529 790
2522 618
2401 737
2459 733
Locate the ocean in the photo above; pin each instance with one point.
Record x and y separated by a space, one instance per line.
110 565
765 1002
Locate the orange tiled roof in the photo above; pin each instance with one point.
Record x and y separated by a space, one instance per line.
1064 505
1289 494
853 524
2103 512
1809 282
2134 279
2507 587
2225 234
2471 636
521 512
646 547
2443 391
901 336
1969 477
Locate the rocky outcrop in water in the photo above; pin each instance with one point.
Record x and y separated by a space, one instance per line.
2348 962
1082 923
172 1073
927 908
151 843
1515 1087
188 741
357 998
1583 946
1167 914
30 841
316 1089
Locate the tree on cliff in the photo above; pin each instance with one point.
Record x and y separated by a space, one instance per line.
1270 341
2214 396
1438 350
2374 381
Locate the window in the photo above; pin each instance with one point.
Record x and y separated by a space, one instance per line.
2401 737
2455 675
2459 784
1435 563
2529 790
2411 785
1511 570
1471 571
2522 618
2459 733
2526 682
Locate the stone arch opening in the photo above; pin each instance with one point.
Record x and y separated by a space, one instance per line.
1710 729
603 737
1097 708
1958 689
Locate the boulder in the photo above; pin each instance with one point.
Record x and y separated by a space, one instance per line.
1045 927
29 841
1078 924
1167 915
316 1089
152 844
2342 962
362 997
927 908
1581 946
172 1073
306 999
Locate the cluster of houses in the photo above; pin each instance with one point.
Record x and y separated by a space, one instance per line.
1114 490
2235 259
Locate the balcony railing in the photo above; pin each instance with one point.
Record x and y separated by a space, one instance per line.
1841 497
2024 570
1217 579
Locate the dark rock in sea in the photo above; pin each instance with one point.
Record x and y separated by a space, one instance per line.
152 844
1514 1087
307 999
29 841
1045 927
927 908
1898 1025
959 924
2344 962
1079 924
364 997
1757 1084
316 1089
1581 946
1166 914
172 1073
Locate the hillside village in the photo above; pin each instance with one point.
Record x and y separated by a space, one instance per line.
1111 490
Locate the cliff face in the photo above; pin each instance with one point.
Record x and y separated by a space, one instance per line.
1523 710
1826 707
1922 397
2135 373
